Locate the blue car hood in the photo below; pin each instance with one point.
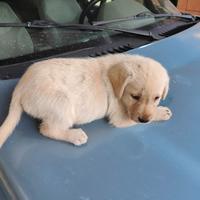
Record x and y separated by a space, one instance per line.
158 161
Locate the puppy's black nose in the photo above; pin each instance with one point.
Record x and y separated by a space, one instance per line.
142 120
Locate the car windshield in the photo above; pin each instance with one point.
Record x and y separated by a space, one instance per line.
21 41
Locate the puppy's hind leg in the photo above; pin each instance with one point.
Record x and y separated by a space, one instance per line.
54 131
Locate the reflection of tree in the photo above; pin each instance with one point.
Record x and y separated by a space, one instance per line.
159 6
165 4
162 3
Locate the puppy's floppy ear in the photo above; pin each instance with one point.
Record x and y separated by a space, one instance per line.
120 75
166 88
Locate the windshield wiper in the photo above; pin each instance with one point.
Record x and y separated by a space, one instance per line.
40 24
147 15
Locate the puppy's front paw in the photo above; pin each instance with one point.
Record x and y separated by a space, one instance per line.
163 113
77 137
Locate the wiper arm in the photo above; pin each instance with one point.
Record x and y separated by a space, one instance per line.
144 15
48 24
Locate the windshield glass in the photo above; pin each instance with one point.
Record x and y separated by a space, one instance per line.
20 41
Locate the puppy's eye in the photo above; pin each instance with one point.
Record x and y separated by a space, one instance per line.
156 98
135 97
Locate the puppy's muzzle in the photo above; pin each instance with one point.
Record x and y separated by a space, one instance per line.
143 120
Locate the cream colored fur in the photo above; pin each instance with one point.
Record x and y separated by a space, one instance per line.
63 92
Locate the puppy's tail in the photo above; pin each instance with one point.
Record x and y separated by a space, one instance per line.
11 121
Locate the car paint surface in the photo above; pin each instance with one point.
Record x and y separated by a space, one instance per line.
158 161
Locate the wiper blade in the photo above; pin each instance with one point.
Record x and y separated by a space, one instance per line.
144 15
31 24
172 15
48 24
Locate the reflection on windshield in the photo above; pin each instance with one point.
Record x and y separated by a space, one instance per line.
16 42
58 37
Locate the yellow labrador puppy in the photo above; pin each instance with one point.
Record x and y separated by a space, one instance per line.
63 92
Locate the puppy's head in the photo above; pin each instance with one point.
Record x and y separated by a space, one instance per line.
139 83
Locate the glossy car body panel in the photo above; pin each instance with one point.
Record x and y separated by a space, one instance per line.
153 161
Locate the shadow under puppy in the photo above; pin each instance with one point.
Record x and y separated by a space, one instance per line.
63 92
